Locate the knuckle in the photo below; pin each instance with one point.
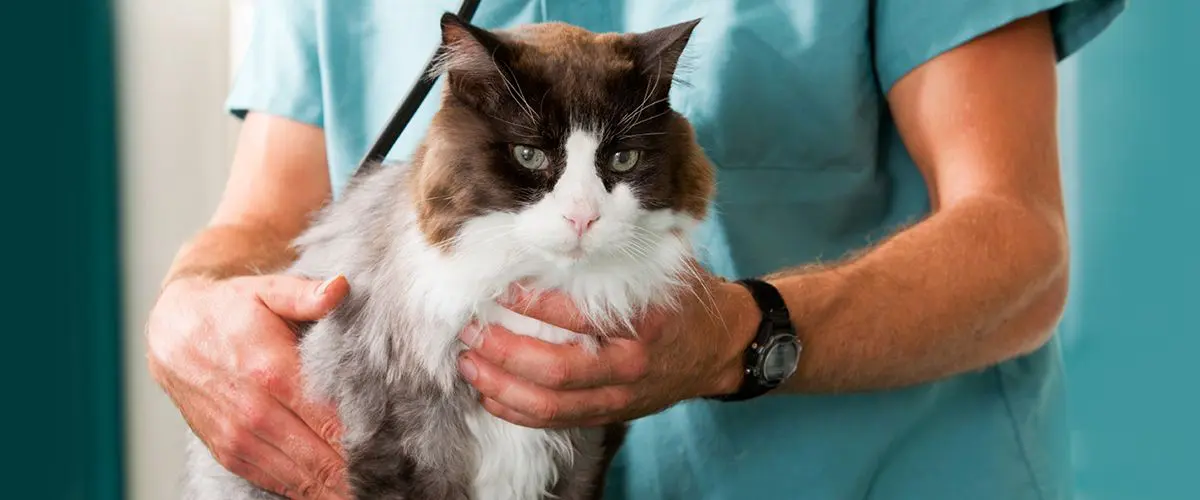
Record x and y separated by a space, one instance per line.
239 443
256 418
327 473
545 409
310 488
266 371
269 378
495 343
638 365
557 374
231 463
330 430
621 398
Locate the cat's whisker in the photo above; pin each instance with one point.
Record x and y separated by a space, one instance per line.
644 120
526 127
647 134
503 230
514 92
638 112
646 97
711 305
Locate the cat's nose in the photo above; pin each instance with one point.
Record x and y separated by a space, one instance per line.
582 221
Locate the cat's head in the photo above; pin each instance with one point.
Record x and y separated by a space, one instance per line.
561 141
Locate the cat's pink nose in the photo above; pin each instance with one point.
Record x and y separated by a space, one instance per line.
582 221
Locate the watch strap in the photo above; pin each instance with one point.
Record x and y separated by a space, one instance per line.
775 319
769 301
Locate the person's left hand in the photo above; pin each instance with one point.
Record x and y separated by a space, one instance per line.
677 355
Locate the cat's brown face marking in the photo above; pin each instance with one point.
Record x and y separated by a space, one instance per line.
537 85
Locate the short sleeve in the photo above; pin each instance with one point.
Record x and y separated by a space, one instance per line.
908 33
280 70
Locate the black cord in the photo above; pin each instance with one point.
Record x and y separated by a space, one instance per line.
412 102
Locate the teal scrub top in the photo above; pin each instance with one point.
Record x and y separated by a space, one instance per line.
788 99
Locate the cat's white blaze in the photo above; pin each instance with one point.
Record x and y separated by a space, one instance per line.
579 190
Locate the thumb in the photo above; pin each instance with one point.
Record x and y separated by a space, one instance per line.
300 299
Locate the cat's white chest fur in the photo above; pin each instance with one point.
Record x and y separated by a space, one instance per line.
514 462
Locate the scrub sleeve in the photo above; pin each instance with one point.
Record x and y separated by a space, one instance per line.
281 73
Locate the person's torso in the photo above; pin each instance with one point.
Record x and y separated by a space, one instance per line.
785 101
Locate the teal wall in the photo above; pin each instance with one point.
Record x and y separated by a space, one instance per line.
1131 104
61 410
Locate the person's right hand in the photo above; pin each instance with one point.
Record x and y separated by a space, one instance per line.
225 355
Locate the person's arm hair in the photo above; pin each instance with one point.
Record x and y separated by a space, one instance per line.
278 178
983 278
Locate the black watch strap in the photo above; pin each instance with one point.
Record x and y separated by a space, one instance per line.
776 320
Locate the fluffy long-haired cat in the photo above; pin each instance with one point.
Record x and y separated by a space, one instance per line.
555 161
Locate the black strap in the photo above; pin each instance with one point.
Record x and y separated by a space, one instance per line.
412 102
775 319
768 299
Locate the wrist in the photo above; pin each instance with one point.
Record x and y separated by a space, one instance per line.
741 321
227 251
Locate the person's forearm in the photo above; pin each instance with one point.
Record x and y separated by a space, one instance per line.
973 285
224 251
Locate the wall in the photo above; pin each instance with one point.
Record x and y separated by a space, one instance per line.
1132 330
174 63
60 361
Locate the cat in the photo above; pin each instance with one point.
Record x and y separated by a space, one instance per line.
554 161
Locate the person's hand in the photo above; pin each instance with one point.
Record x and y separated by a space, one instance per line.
225 354
694 351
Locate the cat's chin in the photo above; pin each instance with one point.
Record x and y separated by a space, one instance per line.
569 259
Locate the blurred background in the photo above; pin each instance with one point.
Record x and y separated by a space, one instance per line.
117 146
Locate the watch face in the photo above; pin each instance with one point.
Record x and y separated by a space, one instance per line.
779 360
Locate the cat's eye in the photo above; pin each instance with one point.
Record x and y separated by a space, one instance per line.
624 161
529 157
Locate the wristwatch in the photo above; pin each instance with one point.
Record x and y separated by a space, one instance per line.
772 357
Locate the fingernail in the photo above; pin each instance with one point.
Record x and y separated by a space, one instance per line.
472 335
321 289
467 368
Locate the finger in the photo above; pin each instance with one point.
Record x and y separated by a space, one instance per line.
321 418
521 419
257 476
538 402
323 468
560 366
552 307
305 430
273 462
300 299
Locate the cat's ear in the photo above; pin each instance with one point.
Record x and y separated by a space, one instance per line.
467 49
475 62
659 50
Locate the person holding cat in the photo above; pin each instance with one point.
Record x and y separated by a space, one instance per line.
887 175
